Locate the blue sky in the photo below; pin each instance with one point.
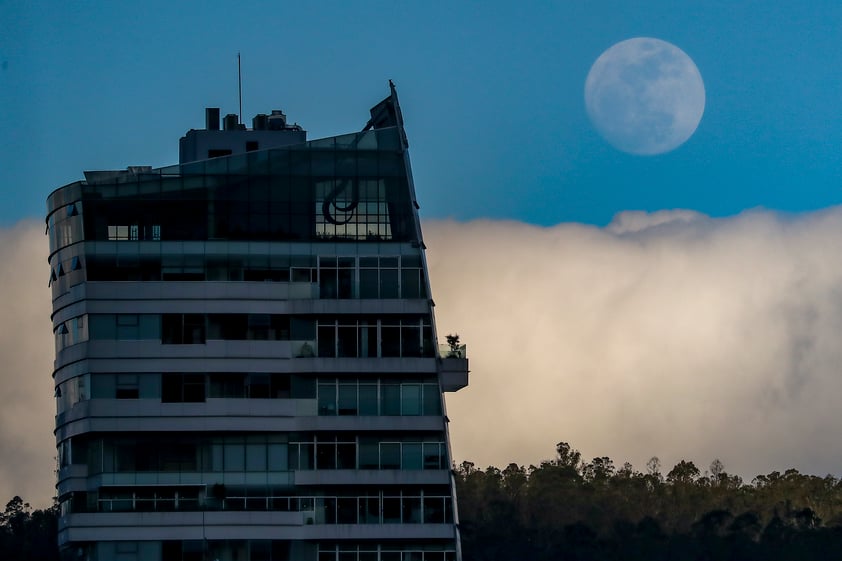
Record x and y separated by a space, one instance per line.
492 94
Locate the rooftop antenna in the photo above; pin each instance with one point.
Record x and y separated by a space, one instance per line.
240 85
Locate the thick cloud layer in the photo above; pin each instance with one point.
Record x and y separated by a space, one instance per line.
27 414
668 334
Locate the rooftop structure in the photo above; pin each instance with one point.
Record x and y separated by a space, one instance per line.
246 361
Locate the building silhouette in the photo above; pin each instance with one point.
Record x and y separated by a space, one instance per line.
246 360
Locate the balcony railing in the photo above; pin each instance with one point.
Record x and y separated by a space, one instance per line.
453 351
374 509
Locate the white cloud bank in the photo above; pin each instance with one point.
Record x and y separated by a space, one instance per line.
668 334
27 406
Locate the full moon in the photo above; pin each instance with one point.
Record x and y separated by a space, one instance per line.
645 96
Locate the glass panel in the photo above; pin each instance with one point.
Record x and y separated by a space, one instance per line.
390 455
411 341
171 385
410 283
150 326
194 329
216 457
103 326
346 456
347 341
433 458
277 457
369 283
432 399
434 510
327 399
194 388
348 399
411 456
255 457
294 455
391 510
234 457
368 399
228 385
391 396
390 343
411 399
411 510
327 341
171 329
346 285
369 455
328 287
307 455
346 510
369 510
368 338
326 455
388 283
259 386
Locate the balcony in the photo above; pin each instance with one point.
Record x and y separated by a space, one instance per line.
453 366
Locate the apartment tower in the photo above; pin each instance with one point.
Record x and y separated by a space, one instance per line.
247 365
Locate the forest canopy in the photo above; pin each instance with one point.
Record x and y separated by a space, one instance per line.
569 508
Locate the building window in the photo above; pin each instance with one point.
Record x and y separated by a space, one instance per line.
336 277
71 332
377 397
253 386
125 326
402 455
182 388
133 232
127 387
72 392
183 329
352 208
391 337
123 233
325 452
371 277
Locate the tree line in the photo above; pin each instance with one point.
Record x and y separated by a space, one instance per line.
27 535
571 509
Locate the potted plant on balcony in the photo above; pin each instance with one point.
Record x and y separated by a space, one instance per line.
453 343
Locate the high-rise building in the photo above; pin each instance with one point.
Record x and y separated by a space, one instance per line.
246 361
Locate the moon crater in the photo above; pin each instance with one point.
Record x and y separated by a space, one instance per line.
645 96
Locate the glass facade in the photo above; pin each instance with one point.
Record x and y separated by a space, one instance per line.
250 335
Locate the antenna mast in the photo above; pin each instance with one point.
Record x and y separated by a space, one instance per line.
240 85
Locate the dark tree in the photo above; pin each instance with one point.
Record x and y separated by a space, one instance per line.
26 535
